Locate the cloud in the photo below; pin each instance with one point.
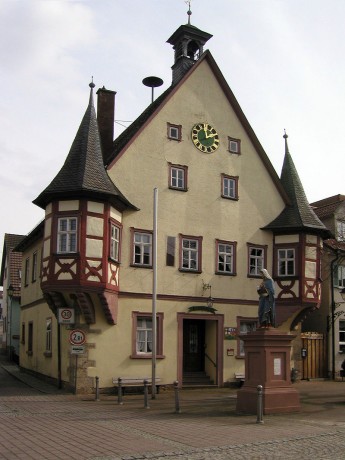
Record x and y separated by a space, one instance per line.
40 37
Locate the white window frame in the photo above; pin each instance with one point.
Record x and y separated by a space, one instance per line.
256 260
49 325
34 266
115 235
174 132
67 236
229 187
142 248
234 145
190 254
139 327
341 335
225 257
178 177
286 258
144 335
27 271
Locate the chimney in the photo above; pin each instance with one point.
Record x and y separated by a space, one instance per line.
105 118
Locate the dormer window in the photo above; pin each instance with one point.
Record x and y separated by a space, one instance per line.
67 235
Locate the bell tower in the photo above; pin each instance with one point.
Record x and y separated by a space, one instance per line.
188 43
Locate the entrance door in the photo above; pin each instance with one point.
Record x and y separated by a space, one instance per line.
193 345
313 364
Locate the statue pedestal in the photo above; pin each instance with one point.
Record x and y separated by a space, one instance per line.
267 363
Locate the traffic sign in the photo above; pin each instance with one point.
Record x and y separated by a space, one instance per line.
66 316
77 337
77 349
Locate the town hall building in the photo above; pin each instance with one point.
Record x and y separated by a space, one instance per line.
222 214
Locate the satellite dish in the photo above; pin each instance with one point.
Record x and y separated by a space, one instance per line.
152 82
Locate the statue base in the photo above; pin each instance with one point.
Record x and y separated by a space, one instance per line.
267 363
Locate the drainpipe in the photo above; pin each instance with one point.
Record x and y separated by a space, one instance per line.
333 314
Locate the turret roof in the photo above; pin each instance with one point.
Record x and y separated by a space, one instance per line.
298 215
83 174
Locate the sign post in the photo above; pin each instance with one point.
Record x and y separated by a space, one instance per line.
77 338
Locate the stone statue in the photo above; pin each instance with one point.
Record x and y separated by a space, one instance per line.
267 310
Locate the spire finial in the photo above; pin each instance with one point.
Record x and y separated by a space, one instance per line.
189 12
286 144
91 85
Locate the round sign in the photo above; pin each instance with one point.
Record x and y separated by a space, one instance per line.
66 314
77 337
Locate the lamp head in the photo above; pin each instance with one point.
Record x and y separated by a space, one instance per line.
10 291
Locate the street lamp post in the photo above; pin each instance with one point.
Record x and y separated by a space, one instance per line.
10 292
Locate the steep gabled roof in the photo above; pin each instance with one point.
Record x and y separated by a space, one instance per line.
83 174
128 135
299 215
31 238
14 262
328 206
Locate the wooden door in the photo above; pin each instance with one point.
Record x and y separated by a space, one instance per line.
193 345
314 362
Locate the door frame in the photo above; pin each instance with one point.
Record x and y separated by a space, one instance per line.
219 343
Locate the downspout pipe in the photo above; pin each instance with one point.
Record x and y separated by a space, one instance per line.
333 262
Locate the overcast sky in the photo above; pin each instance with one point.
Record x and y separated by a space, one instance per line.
283 59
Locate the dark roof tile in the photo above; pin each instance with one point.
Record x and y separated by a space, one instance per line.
299 215
83 173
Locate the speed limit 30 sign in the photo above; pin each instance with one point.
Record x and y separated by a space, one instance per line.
77 337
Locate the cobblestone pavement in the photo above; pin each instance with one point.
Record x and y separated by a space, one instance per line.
38 422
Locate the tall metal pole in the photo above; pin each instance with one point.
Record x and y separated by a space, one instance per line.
154 292
59 355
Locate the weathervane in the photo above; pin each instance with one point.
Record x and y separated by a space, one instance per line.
189 12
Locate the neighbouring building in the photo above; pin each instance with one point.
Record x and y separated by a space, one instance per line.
10 279
330 318
1 321
190 177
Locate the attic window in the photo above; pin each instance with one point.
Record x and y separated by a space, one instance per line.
174 132
234 145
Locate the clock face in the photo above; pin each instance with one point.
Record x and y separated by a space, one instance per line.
205 137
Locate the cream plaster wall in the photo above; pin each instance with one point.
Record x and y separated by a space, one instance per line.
93 206
71 205
115 214
32 290
94 226
287 239
201 210
310 269
94 248
111 353
48 209
39 361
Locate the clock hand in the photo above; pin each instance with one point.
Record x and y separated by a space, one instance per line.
205 130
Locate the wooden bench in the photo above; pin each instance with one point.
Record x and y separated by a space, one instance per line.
140 382
240 378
